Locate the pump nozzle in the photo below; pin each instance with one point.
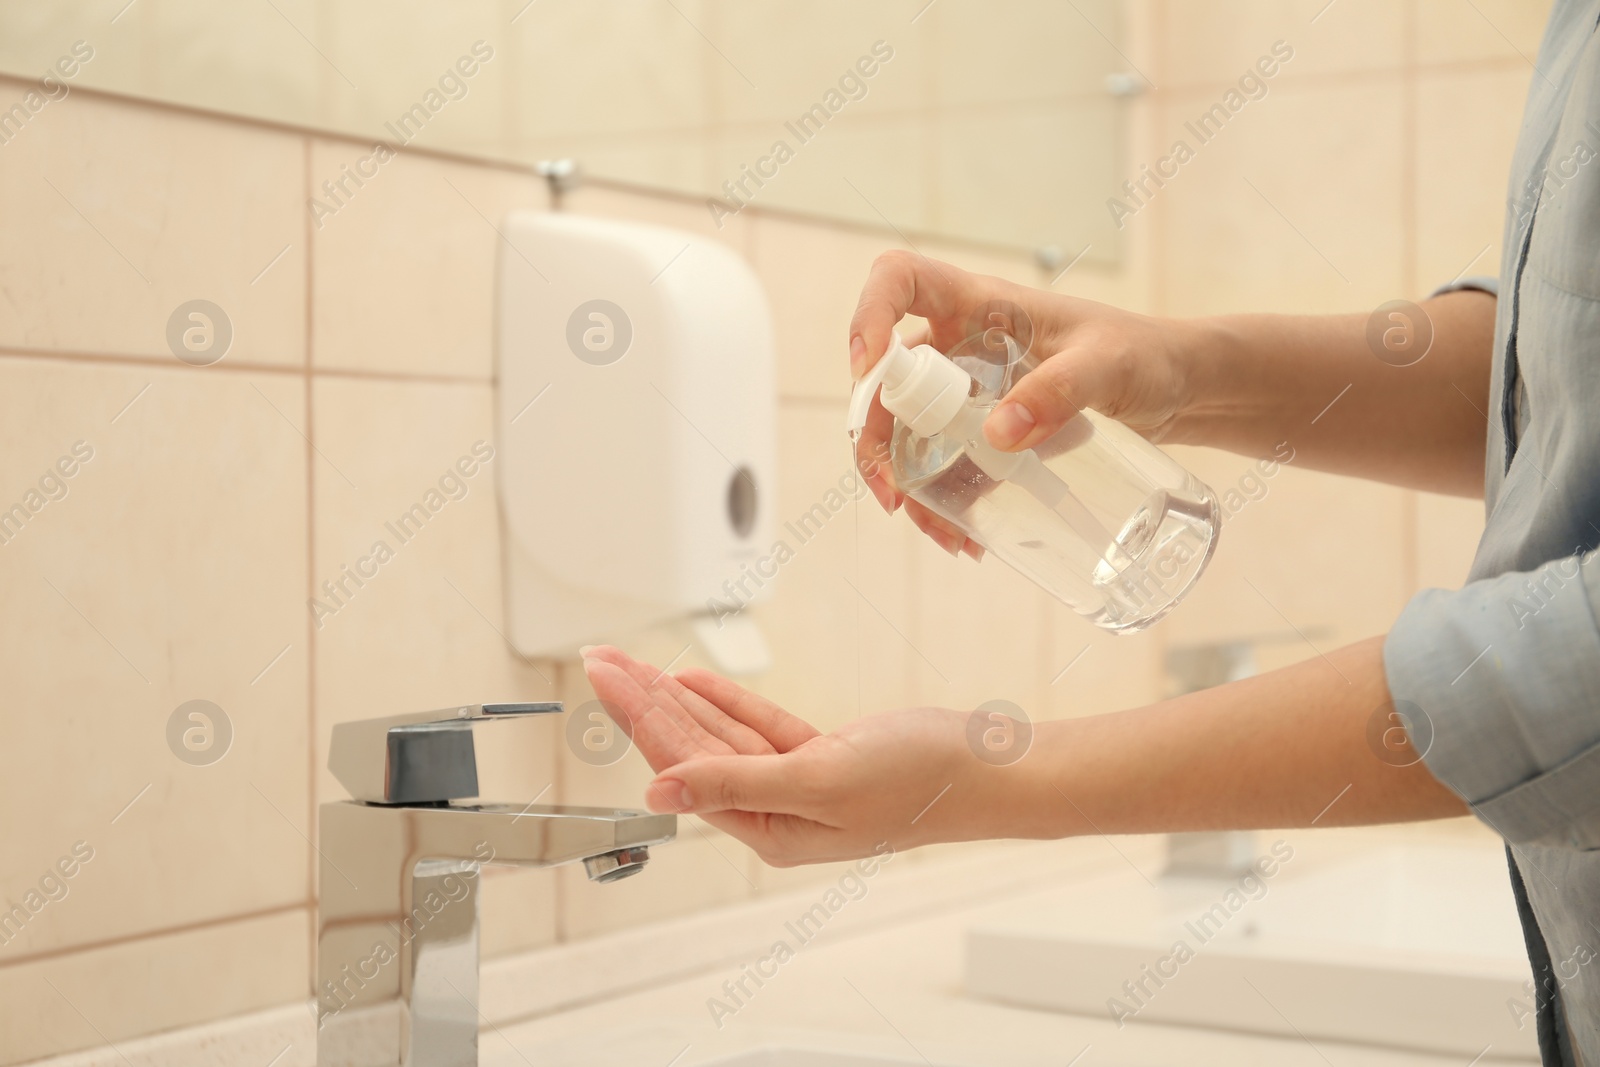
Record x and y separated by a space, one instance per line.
920 386
928 393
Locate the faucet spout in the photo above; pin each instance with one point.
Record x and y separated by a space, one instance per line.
397 938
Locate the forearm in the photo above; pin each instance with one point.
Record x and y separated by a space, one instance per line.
1314 381
1283 749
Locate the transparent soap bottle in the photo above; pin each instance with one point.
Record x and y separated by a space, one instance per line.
1097 516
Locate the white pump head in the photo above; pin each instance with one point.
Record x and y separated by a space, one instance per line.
921 388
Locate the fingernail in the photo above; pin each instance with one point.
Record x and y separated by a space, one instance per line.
668 795
858 356
952 545
973 549
584 651
1008 424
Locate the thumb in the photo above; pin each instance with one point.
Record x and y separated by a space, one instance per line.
1061 386
766 783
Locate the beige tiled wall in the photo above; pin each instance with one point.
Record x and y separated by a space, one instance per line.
178 564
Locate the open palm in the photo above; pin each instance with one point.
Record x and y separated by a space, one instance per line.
770 779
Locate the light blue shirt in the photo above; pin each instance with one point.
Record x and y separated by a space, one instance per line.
1506 671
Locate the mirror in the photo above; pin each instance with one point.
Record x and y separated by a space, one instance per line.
995 122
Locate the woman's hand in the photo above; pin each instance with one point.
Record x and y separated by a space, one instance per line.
1130 367
904 778
1283 749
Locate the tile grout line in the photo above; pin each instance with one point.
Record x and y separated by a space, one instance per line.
1161 107
1356 76
79 356
312 859
714 124
1409 237
1410 244
221 921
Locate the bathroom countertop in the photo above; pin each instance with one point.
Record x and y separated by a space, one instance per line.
882 977
897 993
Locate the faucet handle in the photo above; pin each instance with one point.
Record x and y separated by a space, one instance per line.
421 757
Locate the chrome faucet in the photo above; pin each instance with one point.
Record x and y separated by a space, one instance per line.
397 925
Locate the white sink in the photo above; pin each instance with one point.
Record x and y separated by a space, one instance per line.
1412 946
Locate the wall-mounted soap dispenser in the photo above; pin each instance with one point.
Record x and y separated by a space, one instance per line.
636 416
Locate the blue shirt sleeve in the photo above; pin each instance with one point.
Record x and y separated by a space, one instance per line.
1504 676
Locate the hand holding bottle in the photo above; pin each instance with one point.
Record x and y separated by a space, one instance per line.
1127 366
1077 501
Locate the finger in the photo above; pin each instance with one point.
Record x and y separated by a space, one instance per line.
666 735
732 732
941 531
1078 377
669 693
901 283
733 783
784 730
872 457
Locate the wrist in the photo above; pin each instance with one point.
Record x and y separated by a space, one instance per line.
1200 351
1044 786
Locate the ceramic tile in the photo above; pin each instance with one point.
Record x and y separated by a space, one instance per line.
1450 31
839 619
165 569
656 161
1448 530
1256 222
116 992
686 213
978 631
813 275
1088 671
1121 285
1216 42
1468 125
424 631
1312 562
404 265
97 258
519 910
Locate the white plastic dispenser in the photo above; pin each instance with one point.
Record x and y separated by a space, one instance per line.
1096 515
636 410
